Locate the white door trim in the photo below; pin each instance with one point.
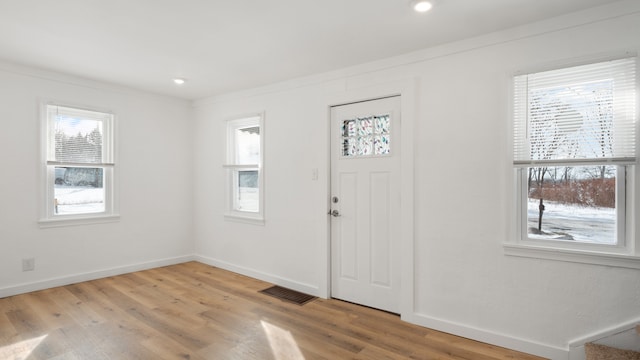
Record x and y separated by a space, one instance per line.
407 89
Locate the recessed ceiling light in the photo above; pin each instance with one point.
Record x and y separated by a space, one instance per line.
179 81
421 5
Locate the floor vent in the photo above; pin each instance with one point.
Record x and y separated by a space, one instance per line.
289 295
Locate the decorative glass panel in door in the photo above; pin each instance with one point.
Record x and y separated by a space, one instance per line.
366 136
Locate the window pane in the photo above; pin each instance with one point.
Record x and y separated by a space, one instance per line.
364 127
572 121
349 147
382 124
581 112
364 146
382 145
366 136
247 191
247 145
78 190
348 128
578 204
77 140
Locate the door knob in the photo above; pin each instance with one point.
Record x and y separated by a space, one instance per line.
335 213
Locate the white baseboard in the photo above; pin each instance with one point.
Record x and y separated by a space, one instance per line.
93 275
288 283
506 341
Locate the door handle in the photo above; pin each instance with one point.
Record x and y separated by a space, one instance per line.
334 213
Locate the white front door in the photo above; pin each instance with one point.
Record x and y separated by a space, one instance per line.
365 203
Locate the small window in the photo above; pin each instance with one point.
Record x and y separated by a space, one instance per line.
244 169
366 136
79 163
574 155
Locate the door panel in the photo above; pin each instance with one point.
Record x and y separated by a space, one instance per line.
348 230
365 181
380 229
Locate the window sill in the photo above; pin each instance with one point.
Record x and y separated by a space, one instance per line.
76 221
577 256
244 219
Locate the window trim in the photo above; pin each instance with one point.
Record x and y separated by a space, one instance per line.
232 124
625 254
47 217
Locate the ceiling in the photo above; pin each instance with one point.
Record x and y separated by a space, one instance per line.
222 46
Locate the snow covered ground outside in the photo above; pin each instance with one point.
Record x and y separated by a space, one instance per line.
87 199
79 199
584 224
249 199
559 221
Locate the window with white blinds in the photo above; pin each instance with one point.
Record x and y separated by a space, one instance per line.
79 163
582 114
574 136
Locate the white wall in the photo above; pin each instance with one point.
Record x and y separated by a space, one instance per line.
153 136
463 187
289 244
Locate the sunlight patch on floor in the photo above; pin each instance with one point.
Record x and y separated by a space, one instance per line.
21 350
282 343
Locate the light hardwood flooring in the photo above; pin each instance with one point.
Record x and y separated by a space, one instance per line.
195 311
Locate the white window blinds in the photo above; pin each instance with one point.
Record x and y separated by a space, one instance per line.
582 114
80 137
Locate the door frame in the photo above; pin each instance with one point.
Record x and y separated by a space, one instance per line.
407 90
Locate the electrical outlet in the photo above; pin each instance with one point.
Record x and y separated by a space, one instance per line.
28 264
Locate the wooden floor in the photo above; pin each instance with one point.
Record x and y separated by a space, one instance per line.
194 311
